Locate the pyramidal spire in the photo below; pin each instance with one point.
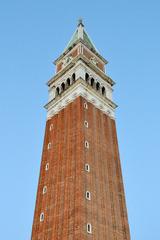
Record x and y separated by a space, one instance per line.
80 35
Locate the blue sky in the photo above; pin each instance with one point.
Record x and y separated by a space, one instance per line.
32 35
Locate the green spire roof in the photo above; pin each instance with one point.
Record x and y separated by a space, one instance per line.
80 33
74 38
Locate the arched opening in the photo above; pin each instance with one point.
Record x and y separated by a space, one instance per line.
57 91
86 144
68 82
42 217
97 86
44 189
89 228
49 145
103 90
85 105
87 77
87 167
88 195
63 86
73 77
92 82
47 167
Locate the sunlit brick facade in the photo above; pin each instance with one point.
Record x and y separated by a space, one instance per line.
80 192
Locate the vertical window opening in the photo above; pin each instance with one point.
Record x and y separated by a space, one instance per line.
73 77
87 77
44 189
92 82
89 228
51 127
49 145
88 195
47 167
63 86
85 105
68 82
97 86
86 144
103 90
57 91
42 217
86 124
87 167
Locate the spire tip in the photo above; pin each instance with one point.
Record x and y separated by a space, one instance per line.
80 22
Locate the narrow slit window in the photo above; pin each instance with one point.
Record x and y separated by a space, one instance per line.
87 167
41 217
86 124
88 195
47 166
44 189
89 228
86 144
51 127
49 145
85 105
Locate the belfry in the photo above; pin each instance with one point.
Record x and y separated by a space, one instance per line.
80 192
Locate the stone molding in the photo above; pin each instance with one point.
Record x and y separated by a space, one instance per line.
80 88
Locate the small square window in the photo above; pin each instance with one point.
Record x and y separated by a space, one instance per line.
87 167
41 217
85 105
49 145
88 195
89 228
44 189
86 144
47 167
86 124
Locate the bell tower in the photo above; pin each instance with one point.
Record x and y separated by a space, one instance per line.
80 191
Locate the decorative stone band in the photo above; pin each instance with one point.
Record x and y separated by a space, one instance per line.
80 88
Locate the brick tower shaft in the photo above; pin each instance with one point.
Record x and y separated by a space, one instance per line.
80 191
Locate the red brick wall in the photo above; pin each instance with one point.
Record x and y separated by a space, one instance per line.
59 66
89 55
65 207
73 55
